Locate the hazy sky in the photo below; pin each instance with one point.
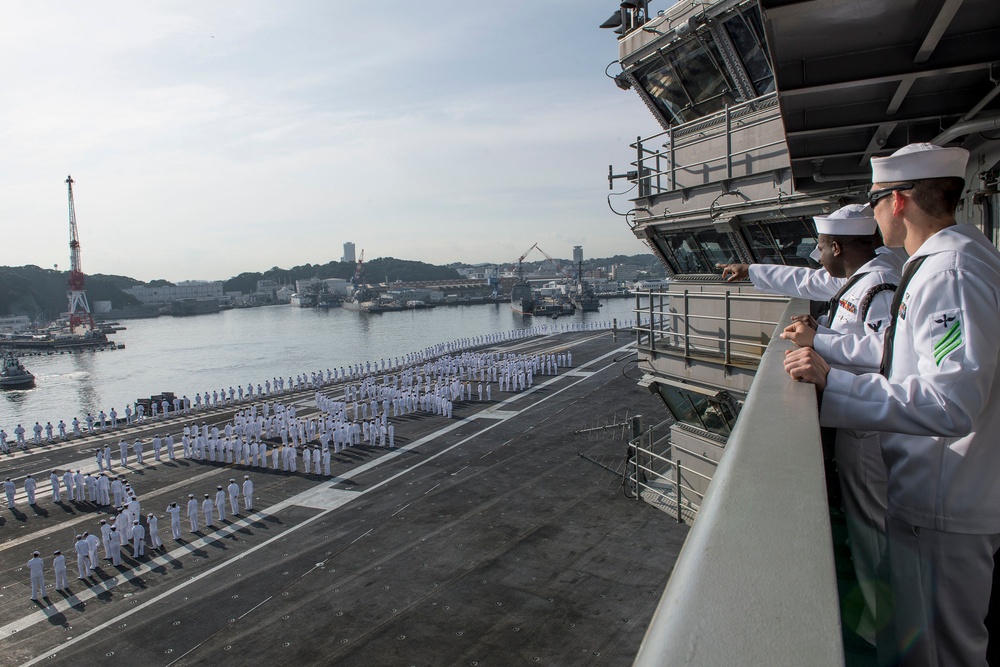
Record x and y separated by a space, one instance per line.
211 138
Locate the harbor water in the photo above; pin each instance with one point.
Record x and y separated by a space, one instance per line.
185 355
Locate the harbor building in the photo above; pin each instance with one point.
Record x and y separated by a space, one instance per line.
169 293
14 324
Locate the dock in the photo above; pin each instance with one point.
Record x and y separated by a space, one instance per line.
481 539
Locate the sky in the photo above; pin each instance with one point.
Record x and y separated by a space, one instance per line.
207 139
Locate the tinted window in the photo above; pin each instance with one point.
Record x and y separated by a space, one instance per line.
787 242
751 50
687 82
708 413
698 251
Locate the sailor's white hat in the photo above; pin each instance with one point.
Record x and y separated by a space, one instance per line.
850 220
914 162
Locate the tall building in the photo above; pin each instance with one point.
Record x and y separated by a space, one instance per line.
577 254
349 253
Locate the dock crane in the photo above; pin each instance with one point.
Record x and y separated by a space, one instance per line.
356 280
79 309
555 263
520 260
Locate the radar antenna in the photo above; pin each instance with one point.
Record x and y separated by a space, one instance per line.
79 309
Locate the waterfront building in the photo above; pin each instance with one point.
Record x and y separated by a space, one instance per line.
14 324
165 294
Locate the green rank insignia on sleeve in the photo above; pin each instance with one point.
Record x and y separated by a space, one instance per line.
946 333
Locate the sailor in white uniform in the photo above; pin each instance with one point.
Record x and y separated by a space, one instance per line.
937 402
36 570
247 492
175 520
193 512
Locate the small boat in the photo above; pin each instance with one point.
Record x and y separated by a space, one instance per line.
14 374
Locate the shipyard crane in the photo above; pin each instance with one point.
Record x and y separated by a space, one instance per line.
520 272
555 263
79 309
356 280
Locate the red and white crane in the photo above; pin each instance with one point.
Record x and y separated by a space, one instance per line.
79 309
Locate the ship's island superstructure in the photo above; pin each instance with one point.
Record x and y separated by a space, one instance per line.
770 112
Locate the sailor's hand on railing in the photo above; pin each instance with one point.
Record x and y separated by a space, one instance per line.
808 320
805 365
732 272
799 333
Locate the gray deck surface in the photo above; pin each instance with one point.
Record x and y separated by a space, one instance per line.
481 540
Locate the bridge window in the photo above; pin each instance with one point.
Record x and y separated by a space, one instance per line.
786 242
697 251
711 413
747 34
687 82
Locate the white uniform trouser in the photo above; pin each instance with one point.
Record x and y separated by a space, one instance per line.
940 585
37 586
61 582
863 487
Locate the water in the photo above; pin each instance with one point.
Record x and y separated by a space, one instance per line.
186 355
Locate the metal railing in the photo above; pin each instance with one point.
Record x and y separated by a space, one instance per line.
649 164
658 333
755 583
656 478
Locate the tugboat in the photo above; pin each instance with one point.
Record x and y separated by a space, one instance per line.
14 375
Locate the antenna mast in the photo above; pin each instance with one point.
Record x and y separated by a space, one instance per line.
79 309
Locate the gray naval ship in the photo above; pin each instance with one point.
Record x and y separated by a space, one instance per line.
770 112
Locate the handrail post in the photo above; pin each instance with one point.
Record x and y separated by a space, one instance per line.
673 176
687 327
638 166
651 343
729 326
729 145
677 486
636 424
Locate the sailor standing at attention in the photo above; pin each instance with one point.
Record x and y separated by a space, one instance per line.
248 492
234 494
209 511
937 403
59 567
193 512
9 489
36 569
82 547
220 502
54 481
29 488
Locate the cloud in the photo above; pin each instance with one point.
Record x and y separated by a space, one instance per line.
208 139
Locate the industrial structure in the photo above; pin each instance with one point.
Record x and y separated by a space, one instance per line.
79 309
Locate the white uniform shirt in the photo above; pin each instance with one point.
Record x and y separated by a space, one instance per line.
850 342
940 407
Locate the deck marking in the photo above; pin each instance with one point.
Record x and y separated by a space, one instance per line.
36 617
432 488
399 510
362 535
255 607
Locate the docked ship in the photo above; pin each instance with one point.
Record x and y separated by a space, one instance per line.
13 374
585 298
184 307
522 301
770 113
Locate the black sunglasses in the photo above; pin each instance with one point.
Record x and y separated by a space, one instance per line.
875 196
